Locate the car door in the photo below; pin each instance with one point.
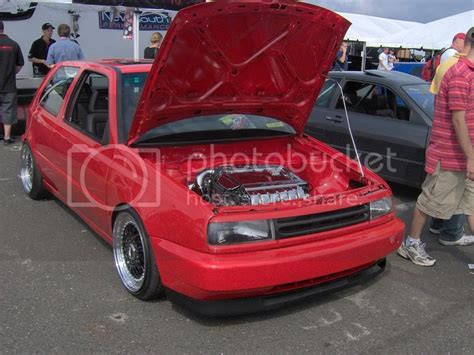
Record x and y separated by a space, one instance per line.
82 147
47 109
320 121
389 135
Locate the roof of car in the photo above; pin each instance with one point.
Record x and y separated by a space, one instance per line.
381 75
124 65
128 65
123 62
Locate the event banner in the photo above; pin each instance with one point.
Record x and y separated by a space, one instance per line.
148 21
150 4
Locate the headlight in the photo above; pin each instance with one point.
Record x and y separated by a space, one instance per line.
239 232
381 207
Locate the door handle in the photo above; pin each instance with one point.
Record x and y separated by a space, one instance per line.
336 118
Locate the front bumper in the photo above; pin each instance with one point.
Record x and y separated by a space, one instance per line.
210 277
242 306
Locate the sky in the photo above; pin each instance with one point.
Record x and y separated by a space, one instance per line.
409 10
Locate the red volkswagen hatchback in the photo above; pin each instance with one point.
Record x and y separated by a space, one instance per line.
196 168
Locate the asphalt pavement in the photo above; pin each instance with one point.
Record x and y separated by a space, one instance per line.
60 293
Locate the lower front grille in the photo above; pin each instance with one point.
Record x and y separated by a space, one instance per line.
321 222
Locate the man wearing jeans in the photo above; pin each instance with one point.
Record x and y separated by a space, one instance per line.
449 186
11 61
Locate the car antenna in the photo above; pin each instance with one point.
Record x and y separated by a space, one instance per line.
348 124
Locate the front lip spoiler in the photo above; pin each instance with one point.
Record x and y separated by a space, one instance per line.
243 306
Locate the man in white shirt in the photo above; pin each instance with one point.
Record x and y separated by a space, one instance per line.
383 60
456 47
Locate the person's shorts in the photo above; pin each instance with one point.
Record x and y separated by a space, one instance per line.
8 104
446 193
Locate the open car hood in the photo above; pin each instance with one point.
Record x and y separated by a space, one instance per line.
261 57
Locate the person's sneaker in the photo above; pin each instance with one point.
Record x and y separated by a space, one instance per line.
8 141
416 253
434 231
464 240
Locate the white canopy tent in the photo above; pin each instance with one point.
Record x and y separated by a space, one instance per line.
372 30
369 30
432 35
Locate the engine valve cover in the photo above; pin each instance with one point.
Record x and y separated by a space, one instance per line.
249 185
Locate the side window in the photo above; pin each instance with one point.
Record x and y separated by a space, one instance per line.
89 107
53 95
326 94
374 100
385 103
355 96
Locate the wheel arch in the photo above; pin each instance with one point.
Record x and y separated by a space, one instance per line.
117 209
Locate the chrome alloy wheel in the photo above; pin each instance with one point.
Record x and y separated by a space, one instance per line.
26 172
129 255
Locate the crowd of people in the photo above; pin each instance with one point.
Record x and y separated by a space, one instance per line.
44 53
386 59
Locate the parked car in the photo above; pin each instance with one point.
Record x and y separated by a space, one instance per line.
390 115
196 168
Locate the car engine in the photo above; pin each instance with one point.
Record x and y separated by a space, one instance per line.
249 185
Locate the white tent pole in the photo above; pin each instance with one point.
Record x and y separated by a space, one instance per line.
364 56
136 35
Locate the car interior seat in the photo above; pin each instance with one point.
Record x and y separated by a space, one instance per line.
79 114
380 106
402 111
98 115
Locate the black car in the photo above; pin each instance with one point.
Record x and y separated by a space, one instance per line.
390 115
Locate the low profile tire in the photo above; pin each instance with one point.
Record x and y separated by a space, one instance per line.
134 257
30 177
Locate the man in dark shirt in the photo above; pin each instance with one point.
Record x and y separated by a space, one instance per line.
11 61
341 63
39 50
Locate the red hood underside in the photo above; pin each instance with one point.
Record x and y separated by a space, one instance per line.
261 57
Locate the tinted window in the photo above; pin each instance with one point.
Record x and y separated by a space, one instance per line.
53 95
375 100
132 88
420 93
326 93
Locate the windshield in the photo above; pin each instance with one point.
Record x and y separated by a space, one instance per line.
420 93
217 128
131 90
195 129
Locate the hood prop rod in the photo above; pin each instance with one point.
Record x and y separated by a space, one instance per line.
348 125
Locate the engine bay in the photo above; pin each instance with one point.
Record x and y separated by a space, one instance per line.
249 185
244 174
